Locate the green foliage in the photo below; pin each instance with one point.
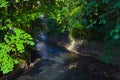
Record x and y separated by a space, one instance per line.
14 43
14 28
67 14
6 61
103 20
18 39
3 3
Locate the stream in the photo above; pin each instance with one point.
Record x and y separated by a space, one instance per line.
60 64
64 65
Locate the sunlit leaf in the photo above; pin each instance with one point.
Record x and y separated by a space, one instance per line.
116 36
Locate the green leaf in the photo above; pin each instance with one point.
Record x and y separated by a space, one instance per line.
16 61
3 3
117 30
103 21
16 1
111 32
118 26
116 36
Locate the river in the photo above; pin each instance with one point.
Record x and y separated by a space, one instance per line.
64 65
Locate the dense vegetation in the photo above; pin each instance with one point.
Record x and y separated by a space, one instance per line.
89 19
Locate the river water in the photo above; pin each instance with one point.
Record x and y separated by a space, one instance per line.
60 64
64 65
